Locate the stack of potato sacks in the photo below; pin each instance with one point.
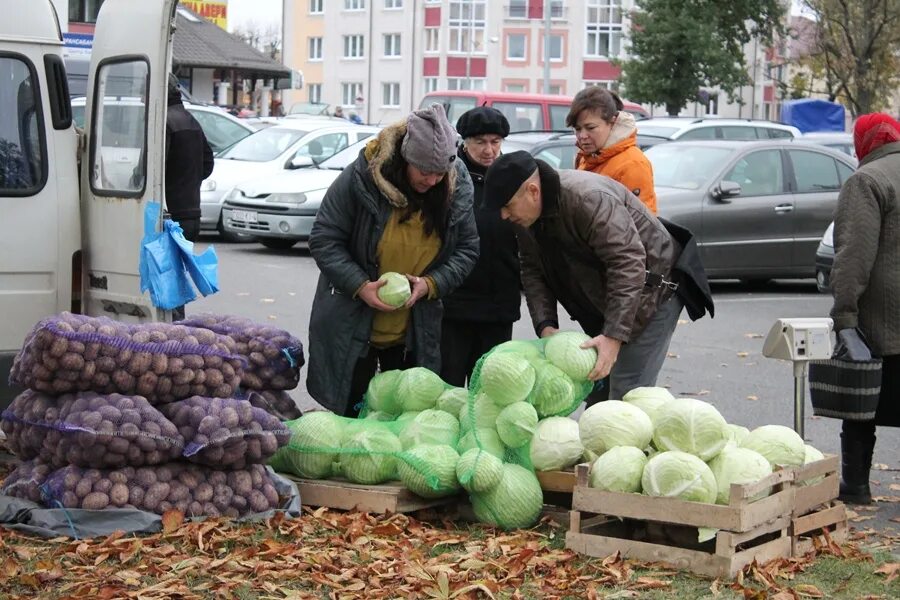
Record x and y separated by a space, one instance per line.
148 416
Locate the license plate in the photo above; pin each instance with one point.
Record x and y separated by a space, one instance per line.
244 215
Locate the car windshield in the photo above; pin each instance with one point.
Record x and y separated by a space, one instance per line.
665 132
685 168
264 145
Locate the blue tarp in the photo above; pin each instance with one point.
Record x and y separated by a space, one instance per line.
810 114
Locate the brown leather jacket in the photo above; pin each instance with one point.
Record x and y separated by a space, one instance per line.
590 250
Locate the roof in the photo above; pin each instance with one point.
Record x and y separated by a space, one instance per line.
200 44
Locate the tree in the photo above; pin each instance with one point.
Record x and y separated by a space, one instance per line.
679 46
857 47
265 38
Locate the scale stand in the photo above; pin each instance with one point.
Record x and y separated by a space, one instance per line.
800 341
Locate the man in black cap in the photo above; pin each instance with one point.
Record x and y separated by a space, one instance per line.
590 244
481 312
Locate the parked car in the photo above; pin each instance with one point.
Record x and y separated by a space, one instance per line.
525 112
825 260
292 144
221 129
689 128
279 210
758 209
558 149
842 142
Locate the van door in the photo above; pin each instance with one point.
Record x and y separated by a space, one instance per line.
123 163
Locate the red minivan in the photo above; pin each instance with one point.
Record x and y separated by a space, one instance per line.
525 112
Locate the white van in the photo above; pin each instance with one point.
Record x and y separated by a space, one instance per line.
69 242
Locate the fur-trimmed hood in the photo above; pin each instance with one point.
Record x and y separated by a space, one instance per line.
382 150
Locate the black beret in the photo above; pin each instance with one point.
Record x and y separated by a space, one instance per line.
504 178
481 120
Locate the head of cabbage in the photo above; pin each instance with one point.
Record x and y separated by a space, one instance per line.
812 455
691 426
614 423
369 456
431 427
564 350
515 502
619 469
429 470
516 424
315 439
478 471
381 395
396 291
506 377
555 445
738 465
452 400
675 474
781 445
479 412
419 388
554 393
648 399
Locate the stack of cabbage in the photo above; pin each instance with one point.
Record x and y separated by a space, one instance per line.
437 439
681 447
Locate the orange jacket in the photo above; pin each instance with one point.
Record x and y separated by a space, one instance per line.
626 163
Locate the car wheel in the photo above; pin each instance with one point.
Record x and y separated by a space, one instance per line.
227 236
278 244
755 283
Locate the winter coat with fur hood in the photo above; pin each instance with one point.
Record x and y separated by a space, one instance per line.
622 160
344 243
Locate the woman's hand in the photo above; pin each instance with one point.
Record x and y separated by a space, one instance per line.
369 294
607 352
419 287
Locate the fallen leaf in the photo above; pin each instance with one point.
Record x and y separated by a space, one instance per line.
861 519
753 336
808 591
752 397
668 355
273 317
743 354
892 570
267 300
683 321
703 393
243 294
881 467
172 520
895 487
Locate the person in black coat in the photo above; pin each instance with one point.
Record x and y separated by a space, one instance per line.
481 312
189 160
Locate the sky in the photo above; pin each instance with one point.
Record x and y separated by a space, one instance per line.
260 12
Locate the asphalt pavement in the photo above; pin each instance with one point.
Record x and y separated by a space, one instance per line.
718 360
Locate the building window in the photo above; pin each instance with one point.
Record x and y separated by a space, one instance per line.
556 48
315 48
390 95
604 28
556 89
392 4
431 84
84 11
354 46
518 9
354 4
467 26
316 7
392 45
432 39
515 46
610 85
349 93
314 91
464 83
515 88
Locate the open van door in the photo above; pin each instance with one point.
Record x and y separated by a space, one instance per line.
123 161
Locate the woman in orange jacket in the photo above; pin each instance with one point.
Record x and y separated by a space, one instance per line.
606 137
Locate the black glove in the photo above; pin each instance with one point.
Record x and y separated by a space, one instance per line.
854 346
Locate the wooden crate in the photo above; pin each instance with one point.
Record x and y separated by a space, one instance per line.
830 517
391 497
557 481
666 529
810 497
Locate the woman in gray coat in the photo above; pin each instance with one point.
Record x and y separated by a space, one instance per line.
404 206
866 286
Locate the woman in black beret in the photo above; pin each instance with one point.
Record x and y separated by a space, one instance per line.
481 312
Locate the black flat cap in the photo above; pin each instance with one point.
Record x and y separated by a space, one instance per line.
504 178
482 120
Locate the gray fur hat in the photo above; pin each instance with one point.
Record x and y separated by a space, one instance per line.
430 141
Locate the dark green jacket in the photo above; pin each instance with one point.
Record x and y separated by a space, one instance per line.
344 242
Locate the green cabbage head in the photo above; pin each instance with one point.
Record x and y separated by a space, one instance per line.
381 396
738 465
514 503
555 445
516 424
563 349
419 388
431 427
554 391
314 439
396 291
369 456
614 423
506 377
619 469
781 445
812 455
478 471
675 474
648 399
485 438
452 400
429 471
691 426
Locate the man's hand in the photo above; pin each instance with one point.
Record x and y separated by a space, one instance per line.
419 289
607 352
369 294
548 331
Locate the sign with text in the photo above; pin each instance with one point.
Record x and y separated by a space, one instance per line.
213 11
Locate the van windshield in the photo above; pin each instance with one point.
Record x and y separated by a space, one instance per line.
522 116
454 106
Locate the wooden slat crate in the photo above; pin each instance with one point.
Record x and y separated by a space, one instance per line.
391 497
816 508
830 517
557 481
808 497
666 529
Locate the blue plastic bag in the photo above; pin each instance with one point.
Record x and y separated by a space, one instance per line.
168 267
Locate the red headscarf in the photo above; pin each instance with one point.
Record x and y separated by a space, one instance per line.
874 130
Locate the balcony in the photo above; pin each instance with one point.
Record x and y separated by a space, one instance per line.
520 11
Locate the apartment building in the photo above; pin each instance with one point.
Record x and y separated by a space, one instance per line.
380 57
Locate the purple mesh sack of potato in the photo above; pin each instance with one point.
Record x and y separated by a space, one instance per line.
274 356
194 490
26 480
226 432
89 430
160 361
277 403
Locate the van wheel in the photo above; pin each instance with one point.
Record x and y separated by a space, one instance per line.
278 244
227 236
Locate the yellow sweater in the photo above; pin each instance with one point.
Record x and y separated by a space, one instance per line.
404 248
